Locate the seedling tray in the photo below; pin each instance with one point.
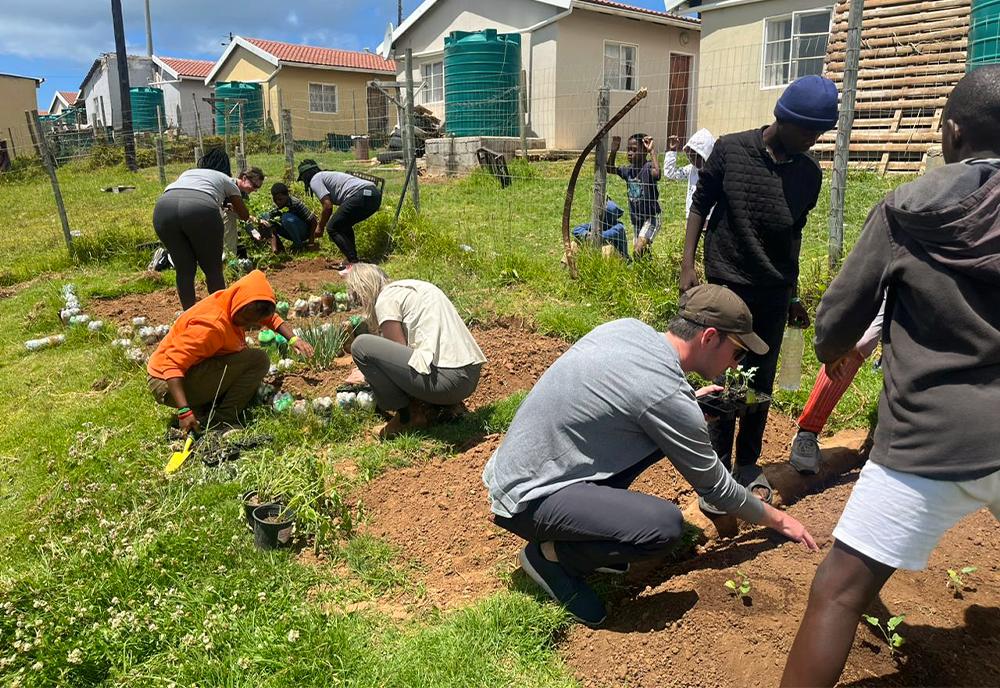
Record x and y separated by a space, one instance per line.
719 405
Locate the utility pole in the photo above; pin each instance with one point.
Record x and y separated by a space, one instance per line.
149 32
399 12
123 84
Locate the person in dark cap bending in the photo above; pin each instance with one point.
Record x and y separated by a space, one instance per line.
356 200
609 408
762 186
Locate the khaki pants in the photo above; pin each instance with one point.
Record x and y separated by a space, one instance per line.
240 375
230 233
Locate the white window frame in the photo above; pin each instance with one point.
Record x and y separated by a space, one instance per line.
336 98
764 86
427 92
635 66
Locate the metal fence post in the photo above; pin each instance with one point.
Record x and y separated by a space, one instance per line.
40 143
241 154
600 165
199 149
160 156
289 143
410 127
522 105
838 185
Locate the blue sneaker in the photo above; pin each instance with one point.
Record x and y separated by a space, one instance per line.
572 592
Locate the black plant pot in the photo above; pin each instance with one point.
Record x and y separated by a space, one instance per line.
724 407
250 503
272 526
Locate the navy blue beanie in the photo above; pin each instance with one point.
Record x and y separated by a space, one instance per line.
809 102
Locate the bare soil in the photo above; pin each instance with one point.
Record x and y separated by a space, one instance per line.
678 625
292 281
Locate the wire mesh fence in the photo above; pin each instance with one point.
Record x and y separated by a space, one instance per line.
525 128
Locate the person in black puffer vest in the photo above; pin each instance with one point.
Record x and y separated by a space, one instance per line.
762 186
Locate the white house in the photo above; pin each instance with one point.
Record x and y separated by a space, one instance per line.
100 92
569 49
183 85
62 101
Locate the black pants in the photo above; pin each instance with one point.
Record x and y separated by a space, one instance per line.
769 307
600 523
190 225
353 210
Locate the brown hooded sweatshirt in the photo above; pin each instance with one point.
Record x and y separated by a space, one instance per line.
934 245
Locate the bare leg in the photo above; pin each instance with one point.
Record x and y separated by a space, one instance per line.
845 585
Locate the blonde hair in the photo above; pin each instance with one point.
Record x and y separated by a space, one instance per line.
365 282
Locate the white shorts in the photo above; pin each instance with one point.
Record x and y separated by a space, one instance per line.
898 519
650 228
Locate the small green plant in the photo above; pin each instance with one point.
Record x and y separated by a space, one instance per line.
327 343
895 640
956 581
738 381
741 588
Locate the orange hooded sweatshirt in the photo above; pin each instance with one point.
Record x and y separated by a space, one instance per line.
206 329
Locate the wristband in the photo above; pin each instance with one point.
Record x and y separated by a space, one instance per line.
295 338
182 410
186 414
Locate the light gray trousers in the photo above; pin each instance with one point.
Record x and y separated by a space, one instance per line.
394 383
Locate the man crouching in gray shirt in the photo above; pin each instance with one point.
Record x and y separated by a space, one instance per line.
613 405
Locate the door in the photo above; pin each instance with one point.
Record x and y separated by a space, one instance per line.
378 113
679 96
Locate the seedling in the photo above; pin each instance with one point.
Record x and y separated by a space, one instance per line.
738 382
739 589
327 341
895 640
955 580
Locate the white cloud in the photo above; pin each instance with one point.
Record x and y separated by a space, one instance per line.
293 18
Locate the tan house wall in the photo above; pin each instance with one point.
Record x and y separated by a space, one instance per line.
289 88
16 96
580 74
730 96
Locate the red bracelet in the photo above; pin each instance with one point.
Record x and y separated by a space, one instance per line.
182 416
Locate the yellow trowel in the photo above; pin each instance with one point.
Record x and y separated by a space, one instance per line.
177 459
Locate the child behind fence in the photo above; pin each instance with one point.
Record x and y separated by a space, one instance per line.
641 176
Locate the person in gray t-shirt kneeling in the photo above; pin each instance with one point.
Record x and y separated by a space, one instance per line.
613 405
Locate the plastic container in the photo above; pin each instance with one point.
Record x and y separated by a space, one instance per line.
790 376
481 78
44 342
984 34
272 526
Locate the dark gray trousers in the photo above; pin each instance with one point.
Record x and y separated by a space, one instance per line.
394 383
189 224
603 523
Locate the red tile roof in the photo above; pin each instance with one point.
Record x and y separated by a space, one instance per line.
70 96
326 57
192 68
643 10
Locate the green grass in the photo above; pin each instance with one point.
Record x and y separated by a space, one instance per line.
116 575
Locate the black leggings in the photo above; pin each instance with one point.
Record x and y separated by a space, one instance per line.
189 224
354 209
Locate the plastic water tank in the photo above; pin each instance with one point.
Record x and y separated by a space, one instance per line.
481 77
145 100
984 34
228 117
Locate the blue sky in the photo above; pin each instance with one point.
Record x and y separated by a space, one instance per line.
59 39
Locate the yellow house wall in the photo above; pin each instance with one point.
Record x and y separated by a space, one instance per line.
16 96
730 96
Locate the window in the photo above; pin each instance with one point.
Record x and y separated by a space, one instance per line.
619 66
433 76
794 46
323 98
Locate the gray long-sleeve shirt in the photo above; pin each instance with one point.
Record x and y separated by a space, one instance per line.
617 396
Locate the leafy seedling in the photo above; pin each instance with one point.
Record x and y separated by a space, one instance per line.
895 640
327 343
739 589
956 581
738 381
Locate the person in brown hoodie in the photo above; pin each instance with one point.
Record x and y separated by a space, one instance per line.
933 246
204 360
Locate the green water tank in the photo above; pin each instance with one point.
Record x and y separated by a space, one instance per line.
481 76
228 117
145 100
984 34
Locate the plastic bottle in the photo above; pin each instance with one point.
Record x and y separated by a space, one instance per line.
283 402
791 359
282 308
266 337
44 342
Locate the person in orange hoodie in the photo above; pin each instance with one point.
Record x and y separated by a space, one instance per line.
204 358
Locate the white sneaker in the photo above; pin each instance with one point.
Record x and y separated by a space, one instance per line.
805 453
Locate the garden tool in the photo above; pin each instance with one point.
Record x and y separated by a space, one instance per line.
177 459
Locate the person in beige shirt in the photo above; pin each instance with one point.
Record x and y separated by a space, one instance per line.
425 358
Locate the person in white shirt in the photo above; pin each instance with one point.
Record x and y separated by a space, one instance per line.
425 358
698 149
